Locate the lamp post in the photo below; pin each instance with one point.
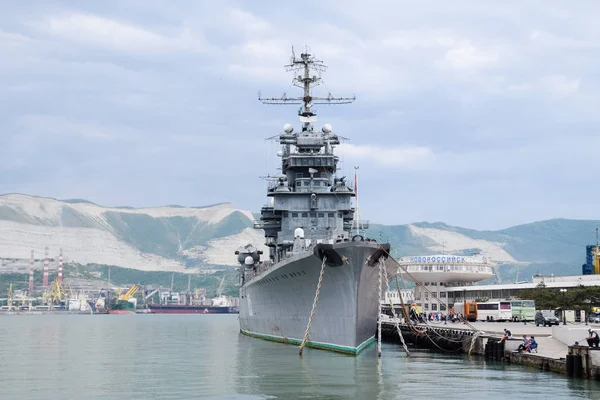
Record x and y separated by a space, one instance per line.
564 292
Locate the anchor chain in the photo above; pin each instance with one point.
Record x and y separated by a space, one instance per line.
383 272
314 306
379 317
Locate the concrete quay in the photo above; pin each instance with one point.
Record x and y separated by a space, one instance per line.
557 345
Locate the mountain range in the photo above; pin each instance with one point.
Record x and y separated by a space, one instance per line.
203 239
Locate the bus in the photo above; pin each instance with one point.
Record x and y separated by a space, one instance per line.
471 314
494 311
523 310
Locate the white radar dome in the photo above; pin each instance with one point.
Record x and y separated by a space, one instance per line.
248 260
288 128
327 128
299 233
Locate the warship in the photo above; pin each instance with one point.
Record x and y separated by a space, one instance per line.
317 287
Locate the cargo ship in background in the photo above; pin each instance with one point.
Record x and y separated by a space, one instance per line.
175 303
125 303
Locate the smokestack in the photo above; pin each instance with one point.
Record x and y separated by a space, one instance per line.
45 267
60 267
31 274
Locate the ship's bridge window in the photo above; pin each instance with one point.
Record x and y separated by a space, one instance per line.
294 215
321 215
331 215
304 215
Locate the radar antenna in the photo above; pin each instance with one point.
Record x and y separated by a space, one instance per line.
305 64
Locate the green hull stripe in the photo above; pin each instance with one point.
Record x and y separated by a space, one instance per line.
315 345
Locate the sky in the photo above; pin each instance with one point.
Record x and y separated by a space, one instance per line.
481 114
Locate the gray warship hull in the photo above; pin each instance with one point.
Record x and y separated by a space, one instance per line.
276 304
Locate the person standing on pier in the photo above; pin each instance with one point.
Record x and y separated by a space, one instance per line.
593 340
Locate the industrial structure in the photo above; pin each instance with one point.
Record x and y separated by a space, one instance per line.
31 273
592 259
438 272
45 281
60 267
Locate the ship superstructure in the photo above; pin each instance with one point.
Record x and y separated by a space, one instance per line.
308 226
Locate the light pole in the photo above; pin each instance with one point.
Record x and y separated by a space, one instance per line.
564 292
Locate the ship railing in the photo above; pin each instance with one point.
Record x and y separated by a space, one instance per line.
266 224
357 224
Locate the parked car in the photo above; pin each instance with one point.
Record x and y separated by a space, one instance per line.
545 318
594 318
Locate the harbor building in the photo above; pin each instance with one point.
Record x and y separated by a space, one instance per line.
438 273
510 291
450 279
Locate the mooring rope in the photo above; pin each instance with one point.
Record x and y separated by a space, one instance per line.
379 316
314 306
383 272
466 322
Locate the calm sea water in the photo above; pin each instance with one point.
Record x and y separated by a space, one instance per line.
204 356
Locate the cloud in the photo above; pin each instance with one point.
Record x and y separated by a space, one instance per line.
465 56
141 103
394 157
111 34
561 84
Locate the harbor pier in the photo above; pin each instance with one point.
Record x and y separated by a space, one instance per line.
562 348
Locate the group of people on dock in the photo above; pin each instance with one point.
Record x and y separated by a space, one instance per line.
528 345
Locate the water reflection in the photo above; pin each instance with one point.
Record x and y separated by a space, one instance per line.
275 369
191 356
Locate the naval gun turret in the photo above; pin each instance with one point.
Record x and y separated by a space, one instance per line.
249 259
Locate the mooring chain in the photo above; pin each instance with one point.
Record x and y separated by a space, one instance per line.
383 272
466 322
314 306
380 308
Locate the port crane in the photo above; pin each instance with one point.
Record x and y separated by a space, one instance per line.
129 294
152 293
220 289
55 295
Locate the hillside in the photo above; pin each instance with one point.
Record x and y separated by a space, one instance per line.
554 246
202 239
170 238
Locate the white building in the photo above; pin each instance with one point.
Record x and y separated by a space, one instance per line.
438 273
510 291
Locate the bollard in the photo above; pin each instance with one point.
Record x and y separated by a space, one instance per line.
499 350
570 364
577 366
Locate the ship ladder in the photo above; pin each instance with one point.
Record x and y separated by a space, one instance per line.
383 272
314 306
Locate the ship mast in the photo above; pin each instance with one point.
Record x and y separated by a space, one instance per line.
356 219
306 64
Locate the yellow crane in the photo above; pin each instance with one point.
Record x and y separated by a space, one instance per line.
129 294
596 256
55 295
